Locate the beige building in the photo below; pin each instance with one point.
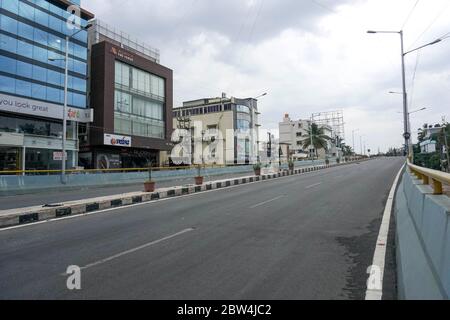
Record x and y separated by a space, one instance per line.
221 131
293 133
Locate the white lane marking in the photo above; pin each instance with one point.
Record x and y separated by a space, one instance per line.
313 185
265 202
376 270
121 254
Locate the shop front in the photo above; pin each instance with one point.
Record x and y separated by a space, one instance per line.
31 135
118 158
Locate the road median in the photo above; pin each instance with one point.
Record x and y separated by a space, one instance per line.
29 215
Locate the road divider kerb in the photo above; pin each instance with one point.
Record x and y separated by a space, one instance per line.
21 216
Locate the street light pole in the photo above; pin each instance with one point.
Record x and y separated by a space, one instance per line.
258 158
311 140
353 138
66 81
407 128
361 144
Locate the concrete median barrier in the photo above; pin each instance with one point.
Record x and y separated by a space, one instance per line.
20 216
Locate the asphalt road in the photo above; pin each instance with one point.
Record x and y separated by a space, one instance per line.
299 237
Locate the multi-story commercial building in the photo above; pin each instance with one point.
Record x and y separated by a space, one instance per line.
32 66
293 134
223 130
131 94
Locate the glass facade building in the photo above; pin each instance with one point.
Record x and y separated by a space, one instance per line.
138 102
132 97
32 65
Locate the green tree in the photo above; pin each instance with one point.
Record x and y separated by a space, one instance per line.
347 151
319 138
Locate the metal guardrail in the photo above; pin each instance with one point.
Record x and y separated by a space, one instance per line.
437 178
120 170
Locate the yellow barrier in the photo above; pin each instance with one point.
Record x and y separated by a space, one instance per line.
437 178
107 170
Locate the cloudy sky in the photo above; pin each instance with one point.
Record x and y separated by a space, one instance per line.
309 55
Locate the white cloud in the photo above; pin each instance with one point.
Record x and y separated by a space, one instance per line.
309 59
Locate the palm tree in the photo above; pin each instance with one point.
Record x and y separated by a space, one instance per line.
347 151
319 138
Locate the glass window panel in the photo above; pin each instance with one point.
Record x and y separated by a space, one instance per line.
26 11
118 73
12 6
7 65
161 92
40 54
55 78
26 31
23 88
41 37
42 3
7 84
38 91
122 102
24 69
79 100
55 24
8 43
41 17
78 84
8 24
39 73
79 67
25 49
55 42
80 51
54 95
155 89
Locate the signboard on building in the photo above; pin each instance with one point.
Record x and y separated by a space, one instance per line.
43 109
118 141
122 54
57 155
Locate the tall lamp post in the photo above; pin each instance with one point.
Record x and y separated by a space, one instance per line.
66 79
407 129
257 135
353 138
311 150
361 144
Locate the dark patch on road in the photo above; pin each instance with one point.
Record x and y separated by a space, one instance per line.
359 251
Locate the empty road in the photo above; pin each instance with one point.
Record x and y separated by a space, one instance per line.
299 237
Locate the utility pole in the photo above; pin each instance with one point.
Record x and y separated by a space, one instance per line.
311 150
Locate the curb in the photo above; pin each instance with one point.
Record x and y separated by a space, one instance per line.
36 214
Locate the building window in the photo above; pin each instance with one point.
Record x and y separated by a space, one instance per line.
139 116
243 125
244 109
139 81
299 134
31 126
